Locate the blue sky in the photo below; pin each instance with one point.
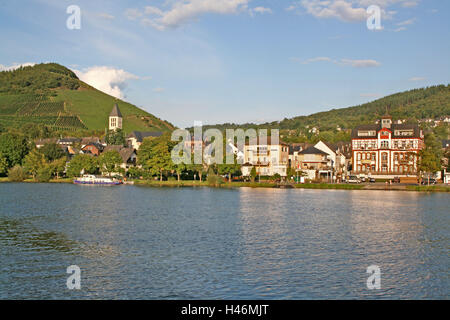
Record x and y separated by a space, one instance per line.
236 61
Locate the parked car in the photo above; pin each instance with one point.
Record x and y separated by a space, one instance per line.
363 179
432 181
372 180
353 179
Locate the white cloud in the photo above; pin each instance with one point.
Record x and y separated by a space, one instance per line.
360 63
107 79
106 16
185 11
367 63
400 29
158 90
348 10
133 14
340 9
417 79
317 59
410 4
261 10
15 66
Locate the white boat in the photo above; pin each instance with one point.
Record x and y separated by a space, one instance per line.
92 179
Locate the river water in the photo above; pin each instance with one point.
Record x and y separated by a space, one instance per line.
135 242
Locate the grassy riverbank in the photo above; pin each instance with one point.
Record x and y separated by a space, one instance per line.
65 180
187 183
323 186
429 188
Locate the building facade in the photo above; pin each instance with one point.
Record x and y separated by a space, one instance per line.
386 149
267 158
135 138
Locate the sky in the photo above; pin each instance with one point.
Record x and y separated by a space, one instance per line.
219 61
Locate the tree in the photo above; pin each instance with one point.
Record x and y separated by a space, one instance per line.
33 162
179 169
58 166
430 156
82 162
14 148
110 161
253 174
3 165
154 156
44 173
115 137
16 174
52 151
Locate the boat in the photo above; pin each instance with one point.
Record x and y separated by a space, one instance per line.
92 179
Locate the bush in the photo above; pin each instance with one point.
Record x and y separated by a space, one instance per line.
214 180
44 174
16 174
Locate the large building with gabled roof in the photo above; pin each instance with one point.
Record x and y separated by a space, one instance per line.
386 149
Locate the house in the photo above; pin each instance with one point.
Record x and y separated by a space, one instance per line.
135 138
87 140
315 163
115 118
128 155
68 141
386 149
268 158
294 150
42 142
338 164
93 148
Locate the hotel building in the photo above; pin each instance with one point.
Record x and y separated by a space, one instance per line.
386 149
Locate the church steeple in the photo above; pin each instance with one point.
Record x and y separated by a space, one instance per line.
115 118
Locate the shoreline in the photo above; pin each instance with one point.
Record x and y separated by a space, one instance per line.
265 185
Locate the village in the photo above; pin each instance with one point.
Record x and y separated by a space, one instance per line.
386 151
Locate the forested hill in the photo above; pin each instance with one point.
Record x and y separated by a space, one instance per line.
52 95
431 102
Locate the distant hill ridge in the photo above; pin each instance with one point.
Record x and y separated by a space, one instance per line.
52 95
431 102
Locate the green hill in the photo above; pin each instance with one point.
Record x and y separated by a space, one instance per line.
52 95
432 102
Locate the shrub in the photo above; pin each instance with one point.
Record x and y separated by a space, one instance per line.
214 180
44 174
16 174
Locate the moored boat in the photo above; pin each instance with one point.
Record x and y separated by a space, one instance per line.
92 179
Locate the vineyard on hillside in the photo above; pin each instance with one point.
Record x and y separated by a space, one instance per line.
17 110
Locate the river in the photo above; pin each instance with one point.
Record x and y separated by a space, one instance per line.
135 242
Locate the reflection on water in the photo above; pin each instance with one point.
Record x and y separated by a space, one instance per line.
150 243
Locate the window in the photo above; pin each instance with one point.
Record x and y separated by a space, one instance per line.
385 144
373 156
384 156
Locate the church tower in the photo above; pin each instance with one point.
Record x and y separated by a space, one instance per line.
115 118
